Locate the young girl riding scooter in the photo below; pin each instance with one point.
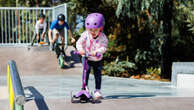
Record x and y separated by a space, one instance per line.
93 41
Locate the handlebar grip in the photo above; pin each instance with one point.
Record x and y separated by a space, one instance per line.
98 55
77 53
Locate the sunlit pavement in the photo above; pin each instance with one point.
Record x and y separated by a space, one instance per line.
54 93
49 88
59 87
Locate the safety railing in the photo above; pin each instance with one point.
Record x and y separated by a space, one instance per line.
15 88
17 23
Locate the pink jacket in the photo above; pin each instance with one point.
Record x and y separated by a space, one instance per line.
87 43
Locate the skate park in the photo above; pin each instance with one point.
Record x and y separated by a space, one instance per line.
31 79
47 87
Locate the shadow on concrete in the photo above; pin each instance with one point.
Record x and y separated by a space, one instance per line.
37 97
139 95
128 96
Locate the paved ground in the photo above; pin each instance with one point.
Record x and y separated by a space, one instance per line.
53 93
49 88
59 87
119 104
35 60
4 102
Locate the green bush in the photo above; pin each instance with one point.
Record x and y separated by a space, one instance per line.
151 70
119 68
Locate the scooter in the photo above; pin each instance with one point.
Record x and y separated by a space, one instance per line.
83 95
60 55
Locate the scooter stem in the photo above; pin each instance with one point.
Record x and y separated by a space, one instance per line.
84 74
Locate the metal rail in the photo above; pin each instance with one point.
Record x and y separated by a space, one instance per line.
16 91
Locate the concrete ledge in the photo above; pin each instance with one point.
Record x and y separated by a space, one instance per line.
185 81
182 74
4 92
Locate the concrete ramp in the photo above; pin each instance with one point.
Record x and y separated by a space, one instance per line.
35 60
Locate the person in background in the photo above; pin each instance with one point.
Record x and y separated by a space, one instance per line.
57 27
40 28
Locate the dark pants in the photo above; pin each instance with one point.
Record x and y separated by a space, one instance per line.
40 33
97 67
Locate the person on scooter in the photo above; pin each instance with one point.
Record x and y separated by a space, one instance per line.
40 28
93 41
57 27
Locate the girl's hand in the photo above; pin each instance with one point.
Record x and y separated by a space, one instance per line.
93 53
82 52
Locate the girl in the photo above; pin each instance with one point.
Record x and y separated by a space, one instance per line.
93 41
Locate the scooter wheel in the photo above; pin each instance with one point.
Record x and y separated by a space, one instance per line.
84 99
61 61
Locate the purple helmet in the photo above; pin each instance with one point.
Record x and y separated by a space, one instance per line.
94 20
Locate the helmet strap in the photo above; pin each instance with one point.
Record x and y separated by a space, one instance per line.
99 32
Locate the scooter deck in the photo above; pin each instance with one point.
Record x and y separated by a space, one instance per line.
84 99
81 98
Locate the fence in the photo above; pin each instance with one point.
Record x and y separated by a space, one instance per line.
16 92
17 23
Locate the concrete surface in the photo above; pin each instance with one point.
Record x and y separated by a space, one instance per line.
118 104
4 102
35 60
3 92
48 88
185 81
59 87
181 68
53 93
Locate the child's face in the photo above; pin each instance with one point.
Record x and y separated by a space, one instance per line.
61 22
94 32
41 20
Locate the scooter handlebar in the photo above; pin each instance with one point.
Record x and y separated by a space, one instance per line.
77 53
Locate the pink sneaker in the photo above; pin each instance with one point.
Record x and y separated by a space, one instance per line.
97 94
87 89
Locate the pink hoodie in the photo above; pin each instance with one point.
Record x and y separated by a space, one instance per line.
87 43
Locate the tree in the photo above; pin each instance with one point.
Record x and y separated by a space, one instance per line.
7 3
35 3
166 61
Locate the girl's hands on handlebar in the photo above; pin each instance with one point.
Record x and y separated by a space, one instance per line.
82 52
93 53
